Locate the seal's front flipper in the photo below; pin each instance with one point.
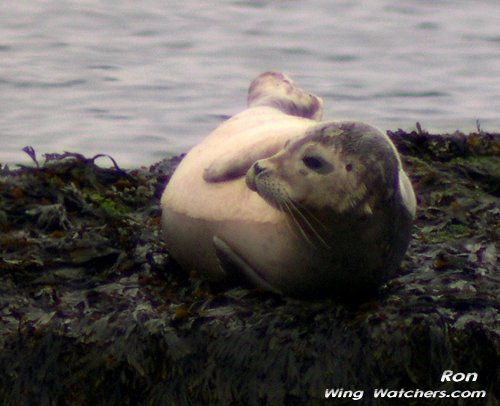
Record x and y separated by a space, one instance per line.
236 266
227 168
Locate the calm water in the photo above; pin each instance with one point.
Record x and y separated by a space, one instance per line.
143 80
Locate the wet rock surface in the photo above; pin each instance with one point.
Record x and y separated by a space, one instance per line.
93 310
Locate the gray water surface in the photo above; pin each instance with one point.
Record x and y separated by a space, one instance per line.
143 80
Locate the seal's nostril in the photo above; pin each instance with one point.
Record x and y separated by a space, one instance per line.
258 168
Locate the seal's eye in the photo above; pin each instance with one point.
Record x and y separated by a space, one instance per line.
317 164
312 162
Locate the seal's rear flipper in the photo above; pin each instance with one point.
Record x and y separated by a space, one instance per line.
236 266
269 89
275 89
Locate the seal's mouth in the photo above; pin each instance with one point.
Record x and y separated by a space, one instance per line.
250 181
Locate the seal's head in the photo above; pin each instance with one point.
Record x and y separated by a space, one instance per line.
277 90
342 188
344 167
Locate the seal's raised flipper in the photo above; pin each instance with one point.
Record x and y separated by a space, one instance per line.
277 90
236 266
270 89
231 167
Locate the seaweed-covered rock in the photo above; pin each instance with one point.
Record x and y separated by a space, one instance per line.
93 311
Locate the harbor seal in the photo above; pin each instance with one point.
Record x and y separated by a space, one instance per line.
289 203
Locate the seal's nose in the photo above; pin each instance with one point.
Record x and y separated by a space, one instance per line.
258 168
252 174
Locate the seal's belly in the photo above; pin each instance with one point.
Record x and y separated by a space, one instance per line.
269 248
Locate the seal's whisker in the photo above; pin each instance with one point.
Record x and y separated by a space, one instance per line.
310 225
291 210
282 206
305 219
286 209
313 217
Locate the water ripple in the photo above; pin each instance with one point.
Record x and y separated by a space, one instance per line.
32 84
406 94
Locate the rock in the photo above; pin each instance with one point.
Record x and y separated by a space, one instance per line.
93 311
